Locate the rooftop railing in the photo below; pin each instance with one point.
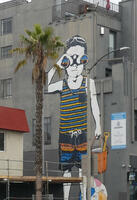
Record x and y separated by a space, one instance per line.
12 3
75 8
102 3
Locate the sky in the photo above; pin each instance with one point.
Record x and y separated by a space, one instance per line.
1 1
113 1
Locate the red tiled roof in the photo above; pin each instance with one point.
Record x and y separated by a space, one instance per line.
13 119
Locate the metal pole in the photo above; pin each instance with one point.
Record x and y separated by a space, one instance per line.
132 102
47 178
8 184
89 181
84 183
43 159
102 119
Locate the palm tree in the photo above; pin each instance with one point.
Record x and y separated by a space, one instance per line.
39 45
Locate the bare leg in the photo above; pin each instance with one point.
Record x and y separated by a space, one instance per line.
66 186
82 186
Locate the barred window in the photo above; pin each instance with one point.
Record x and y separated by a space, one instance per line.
33 131
1 141
5 52
6 25
135 122
5 88
47 130
46 84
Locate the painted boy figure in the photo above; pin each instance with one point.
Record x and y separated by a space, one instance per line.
73 105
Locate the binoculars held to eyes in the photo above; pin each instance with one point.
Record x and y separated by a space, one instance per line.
75 59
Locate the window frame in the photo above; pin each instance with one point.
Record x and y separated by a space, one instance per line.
47 141
48 128
5 22
46 84
5 52
6 88
112 43
7 92
2 150
108 72
135 124
33 131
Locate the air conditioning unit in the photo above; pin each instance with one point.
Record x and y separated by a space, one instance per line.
44 197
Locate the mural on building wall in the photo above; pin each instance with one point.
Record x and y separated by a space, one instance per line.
73 105
98 192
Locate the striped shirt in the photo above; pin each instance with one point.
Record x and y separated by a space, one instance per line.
73 109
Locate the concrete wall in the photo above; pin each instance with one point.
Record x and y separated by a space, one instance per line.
11 158
117 90
116 176
24 17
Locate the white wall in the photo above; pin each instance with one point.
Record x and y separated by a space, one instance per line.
12 156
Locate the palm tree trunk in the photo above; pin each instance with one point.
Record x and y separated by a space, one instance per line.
38 153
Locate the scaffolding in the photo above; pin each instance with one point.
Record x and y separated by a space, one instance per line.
22 172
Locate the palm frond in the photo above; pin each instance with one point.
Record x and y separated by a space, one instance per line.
20 64
54 45
18 50
39 45
38 29
48 31
32 35
57 38
29 51
25 40
54 55
58 69
29 33
59 44
47 35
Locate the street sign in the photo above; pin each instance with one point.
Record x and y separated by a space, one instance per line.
118 130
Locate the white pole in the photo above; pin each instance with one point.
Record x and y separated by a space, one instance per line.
89 184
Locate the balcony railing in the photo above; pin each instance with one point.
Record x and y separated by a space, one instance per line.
75 8
102 3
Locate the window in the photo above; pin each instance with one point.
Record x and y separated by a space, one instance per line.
135 124
58 8
33 131
1 141
112 43
6 25
5 52
46 84
5 88
47 130
108 72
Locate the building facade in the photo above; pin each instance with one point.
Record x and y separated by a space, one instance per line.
115 78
